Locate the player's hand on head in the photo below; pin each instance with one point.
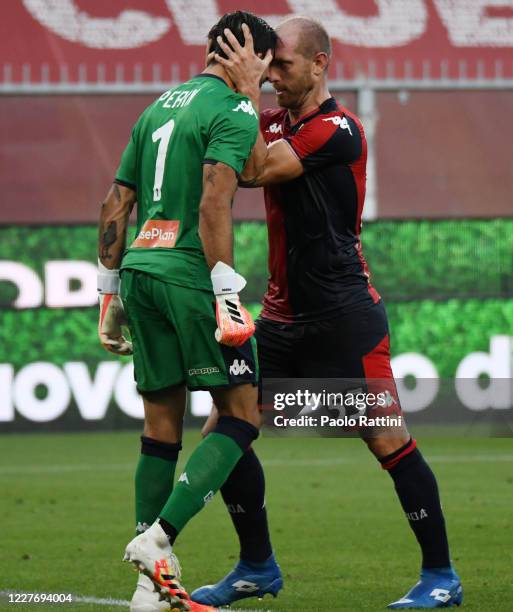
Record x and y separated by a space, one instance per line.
245 68
111 323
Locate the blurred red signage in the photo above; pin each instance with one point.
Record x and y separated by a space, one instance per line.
163 40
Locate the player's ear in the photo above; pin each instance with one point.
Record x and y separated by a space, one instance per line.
320 63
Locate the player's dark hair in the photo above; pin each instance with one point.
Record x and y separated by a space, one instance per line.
264 37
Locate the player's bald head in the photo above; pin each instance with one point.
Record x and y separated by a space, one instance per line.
308 36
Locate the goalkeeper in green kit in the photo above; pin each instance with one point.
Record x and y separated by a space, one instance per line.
179 297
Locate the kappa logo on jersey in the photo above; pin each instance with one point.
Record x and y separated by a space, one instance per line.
183 478
243 586
342 122
157 233
245 107
389 399
208 497
275 128
238 368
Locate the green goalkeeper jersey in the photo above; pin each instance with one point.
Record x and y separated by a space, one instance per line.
200 121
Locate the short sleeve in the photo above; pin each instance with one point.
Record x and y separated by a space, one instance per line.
127 171
327 140
233 134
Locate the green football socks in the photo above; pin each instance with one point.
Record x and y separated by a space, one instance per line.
153 480
206 470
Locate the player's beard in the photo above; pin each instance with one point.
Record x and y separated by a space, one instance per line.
293 100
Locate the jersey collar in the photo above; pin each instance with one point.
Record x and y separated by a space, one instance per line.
203 75
327 106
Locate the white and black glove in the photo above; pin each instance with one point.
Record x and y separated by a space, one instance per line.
234 323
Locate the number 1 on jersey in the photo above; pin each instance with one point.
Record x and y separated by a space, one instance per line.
163 134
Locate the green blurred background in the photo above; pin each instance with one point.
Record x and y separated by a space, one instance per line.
447 286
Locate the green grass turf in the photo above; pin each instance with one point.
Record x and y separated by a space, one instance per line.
66 514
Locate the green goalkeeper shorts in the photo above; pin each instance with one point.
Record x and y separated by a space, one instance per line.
172 330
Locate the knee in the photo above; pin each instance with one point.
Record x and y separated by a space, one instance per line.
252 415
383 446
240 402
163 414
163 427
163 433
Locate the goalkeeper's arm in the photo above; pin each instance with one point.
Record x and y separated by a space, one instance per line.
114 216
235 324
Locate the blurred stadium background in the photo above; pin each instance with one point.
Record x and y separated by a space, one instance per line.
432 81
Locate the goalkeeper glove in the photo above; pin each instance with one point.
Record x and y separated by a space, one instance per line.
234 323
112 313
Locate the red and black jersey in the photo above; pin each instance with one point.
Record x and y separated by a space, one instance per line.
315 259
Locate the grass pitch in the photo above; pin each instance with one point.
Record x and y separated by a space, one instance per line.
66 511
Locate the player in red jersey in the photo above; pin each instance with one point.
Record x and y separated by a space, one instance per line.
321 318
